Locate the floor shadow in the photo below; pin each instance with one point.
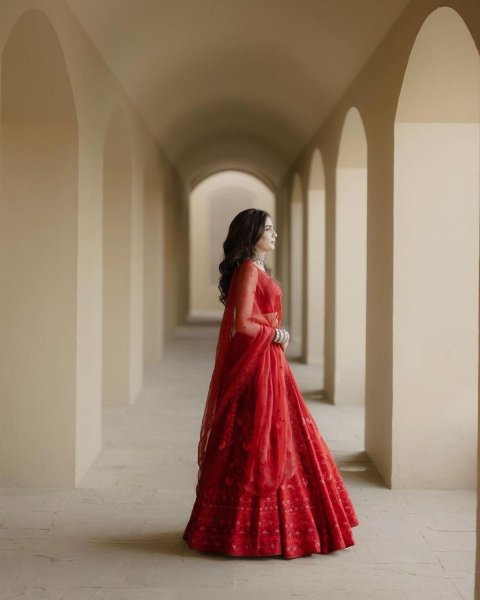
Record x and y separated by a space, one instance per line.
171 543
317 395
162 542
360 472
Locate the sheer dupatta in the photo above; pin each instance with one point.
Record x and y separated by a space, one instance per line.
260 364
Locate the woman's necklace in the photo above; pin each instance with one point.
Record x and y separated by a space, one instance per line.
259 259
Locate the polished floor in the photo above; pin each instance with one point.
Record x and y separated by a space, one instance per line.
118 535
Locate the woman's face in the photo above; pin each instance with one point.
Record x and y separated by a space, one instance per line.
267 241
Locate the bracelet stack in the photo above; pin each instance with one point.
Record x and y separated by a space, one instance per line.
281 336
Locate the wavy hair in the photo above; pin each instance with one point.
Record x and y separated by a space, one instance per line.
243 233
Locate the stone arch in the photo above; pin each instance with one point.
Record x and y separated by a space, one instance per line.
117 215
38 250
258 174
436 254
212 206
350 262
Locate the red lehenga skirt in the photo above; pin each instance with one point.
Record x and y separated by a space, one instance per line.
310 512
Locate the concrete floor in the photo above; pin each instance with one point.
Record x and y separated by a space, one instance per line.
118 535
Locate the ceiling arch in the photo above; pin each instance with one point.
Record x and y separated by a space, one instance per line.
239 84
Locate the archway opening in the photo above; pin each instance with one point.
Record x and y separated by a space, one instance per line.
314 333
213 203
38 250
350 263
296 267
117 209
436 255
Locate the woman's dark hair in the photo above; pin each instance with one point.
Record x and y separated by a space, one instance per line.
243 233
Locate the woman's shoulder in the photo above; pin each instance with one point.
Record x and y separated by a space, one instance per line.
246 271
247 266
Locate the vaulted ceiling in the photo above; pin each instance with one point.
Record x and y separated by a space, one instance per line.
238 84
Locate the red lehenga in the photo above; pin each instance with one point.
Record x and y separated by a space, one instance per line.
267 482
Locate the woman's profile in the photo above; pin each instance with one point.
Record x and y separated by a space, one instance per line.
267 482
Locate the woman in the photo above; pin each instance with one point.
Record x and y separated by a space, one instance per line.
267 483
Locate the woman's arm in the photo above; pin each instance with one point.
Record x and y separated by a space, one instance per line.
245 294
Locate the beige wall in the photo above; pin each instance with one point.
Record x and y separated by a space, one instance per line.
350 254
282 254
38 246
436 304
55 335
154 266
375 92
350 264
297 262
314 252
436 258
117 256
448 421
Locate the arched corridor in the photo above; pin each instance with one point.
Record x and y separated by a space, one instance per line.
130 135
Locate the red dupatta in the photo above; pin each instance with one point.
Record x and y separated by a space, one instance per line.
270 457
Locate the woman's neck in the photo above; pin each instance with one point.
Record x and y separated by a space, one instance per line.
258 259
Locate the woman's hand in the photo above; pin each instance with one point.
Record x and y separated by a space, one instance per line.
284 346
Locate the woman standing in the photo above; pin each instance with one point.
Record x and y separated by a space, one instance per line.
267 483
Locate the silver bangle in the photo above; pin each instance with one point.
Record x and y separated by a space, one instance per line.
281 336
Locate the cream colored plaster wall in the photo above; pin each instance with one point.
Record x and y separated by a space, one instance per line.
375 92
350 264
436 252
315 275
96 94
351 275
176 249
154 267
38 305
137 267
297 262
283 257
314 268
116 336
88 398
